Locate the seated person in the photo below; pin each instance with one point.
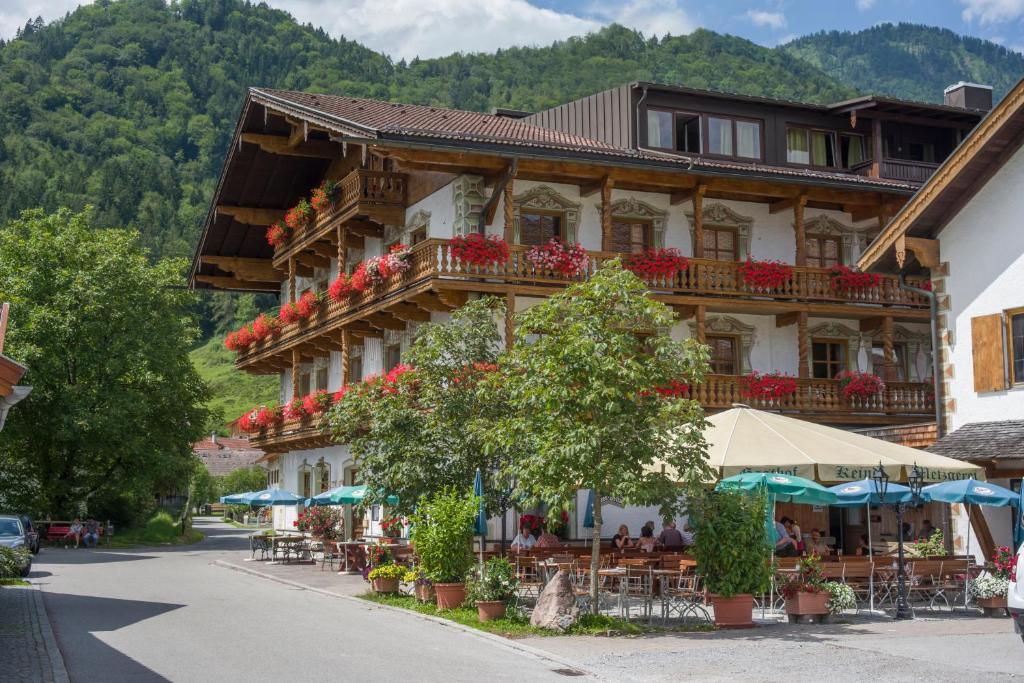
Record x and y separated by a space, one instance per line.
646 540
785 546
91 536
670 538
863 547
926 531
816 546
524 540
547 540
74 531
687 534
622 540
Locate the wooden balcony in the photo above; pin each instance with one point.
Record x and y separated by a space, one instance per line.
815 399
376 196
434 268
899 169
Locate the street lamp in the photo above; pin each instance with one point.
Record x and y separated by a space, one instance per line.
914 480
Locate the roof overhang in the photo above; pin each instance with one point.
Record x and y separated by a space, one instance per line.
965 171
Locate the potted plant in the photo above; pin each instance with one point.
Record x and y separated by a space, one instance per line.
423 588
845 279
805 593
442 531
324 195
322 522
840 597
990 591
558 257
732 551
765 276
860 385
493 588
657 263
385 578
392 527
768 386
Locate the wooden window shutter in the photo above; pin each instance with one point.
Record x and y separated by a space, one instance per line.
989 357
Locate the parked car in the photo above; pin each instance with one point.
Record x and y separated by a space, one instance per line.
31 534
1015 593
12 535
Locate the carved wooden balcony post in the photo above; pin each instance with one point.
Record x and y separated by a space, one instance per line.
804 368
509 212
295 373
606 214
698 221
798 226
291 280
698 314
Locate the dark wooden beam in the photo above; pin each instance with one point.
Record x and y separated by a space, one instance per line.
787 319
408 313
281 144
251 215
782 205
681 196
225 282
366 229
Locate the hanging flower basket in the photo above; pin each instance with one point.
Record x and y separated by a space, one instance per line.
845 279
299 216
278 234
477 250
765 275
769 386
654 263
324 195
558 257
855 384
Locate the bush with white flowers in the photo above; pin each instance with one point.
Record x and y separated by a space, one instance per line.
840 597
989 586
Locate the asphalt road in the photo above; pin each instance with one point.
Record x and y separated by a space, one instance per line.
169 614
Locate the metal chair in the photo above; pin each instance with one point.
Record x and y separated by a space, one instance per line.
637 586
684 596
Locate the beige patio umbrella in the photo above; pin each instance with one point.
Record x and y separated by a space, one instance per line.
742 439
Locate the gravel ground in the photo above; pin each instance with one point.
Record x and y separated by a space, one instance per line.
942 648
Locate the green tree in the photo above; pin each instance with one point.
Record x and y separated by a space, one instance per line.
116 404
242 480
582 406
203 487
411 431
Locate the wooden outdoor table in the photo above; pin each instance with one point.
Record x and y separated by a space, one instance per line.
350 556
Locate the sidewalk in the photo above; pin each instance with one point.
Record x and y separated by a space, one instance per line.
309 575
26 639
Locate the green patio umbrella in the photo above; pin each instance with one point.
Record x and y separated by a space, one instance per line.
782 487
347 495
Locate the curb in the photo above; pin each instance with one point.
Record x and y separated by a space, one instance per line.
60 674
497 640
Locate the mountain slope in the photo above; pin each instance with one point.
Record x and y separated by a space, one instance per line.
909 60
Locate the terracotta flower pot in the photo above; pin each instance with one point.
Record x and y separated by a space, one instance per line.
488 610
993 607
807 603
424 592
450 595
385 585
734 612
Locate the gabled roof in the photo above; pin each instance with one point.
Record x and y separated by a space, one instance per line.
981 154
983 441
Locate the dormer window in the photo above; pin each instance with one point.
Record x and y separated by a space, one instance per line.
810 147
691 133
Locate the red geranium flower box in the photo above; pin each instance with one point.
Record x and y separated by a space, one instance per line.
665 262
477 250
765 275
844 279
769 386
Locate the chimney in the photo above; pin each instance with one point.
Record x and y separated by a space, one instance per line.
213 438
969 96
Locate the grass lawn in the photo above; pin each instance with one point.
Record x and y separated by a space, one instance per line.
139 537
14 582
518 625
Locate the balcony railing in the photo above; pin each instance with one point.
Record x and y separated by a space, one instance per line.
433 259
899 169
379 195
820 398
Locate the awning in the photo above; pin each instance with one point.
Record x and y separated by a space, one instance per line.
742 440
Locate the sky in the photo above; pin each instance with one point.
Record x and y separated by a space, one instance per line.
431 28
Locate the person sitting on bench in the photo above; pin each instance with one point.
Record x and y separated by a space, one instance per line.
74 531
92 533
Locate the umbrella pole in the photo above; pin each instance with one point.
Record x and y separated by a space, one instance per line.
871 557
970 556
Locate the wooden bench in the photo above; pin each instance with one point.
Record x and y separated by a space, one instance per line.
59 531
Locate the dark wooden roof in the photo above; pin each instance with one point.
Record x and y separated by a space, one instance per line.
966 171
983 441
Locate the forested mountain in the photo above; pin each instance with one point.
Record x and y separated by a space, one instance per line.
909 60
129 105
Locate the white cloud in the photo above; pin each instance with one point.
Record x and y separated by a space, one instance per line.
431 28
865 5
775 20
992 11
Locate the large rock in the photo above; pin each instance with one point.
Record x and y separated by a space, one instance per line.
556 608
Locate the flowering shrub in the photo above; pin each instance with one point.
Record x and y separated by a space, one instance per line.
496 583
341 288
1004 562
769 386
765 274
377 555
558 257
300 215
307 304
840 597
322 521
808 579
325 194
845 278
392 527
288 314
531 522
278 234
853 383
989 586
316 403
477 250
657 263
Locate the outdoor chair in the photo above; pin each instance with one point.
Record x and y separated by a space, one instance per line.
331 552
925 581
531 581
636 587
259 543
859 577
685 597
